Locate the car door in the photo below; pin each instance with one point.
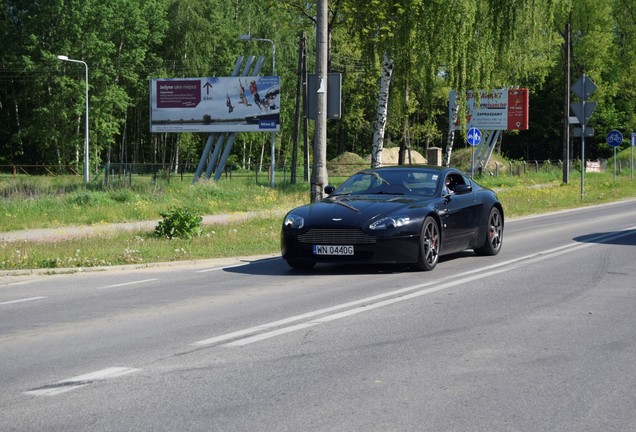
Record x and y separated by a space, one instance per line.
459 216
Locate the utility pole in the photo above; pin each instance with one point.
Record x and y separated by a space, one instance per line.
305 120
319 177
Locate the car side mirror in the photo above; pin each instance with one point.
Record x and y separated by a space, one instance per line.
329 189
462 189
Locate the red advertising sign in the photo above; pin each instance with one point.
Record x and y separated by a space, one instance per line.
518 109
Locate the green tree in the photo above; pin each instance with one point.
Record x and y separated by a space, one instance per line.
435 45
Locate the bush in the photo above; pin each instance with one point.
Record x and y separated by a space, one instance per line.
122 196
179 222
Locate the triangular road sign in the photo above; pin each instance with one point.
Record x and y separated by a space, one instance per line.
583 110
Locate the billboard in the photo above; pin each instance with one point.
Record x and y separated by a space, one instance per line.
217 104
501 109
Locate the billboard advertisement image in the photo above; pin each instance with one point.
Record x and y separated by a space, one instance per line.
501 109
217 104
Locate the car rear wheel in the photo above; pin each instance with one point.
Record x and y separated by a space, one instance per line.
429 245
494 235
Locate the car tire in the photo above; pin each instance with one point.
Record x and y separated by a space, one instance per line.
429 245
494 234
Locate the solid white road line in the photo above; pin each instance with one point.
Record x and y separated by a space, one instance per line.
364 308
22 300
81 381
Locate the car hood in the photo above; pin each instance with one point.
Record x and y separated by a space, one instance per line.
355 210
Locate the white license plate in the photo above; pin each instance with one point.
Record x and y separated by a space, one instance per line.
333 250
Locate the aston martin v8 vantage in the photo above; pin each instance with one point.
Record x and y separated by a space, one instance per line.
395 215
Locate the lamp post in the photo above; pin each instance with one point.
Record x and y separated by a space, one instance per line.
86 162
247 37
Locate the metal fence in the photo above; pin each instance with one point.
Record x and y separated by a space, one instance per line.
47 170
123 174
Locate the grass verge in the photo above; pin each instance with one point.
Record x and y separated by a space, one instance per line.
254 237
519 195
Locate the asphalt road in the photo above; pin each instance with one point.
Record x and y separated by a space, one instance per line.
541 337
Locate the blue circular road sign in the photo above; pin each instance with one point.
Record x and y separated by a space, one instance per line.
474 136
614 138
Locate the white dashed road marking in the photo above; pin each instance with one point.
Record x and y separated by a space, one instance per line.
80 381
22 300
128 284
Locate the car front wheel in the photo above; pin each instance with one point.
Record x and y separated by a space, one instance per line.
429 245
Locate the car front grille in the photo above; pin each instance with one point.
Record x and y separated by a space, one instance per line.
336 236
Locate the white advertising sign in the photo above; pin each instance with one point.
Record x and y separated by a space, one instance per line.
223 104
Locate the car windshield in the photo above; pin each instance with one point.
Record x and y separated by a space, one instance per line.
395 182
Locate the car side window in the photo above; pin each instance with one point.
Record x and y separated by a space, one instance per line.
449 185
451 181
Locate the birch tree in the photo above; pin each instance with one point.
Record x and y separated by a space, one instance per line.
381 113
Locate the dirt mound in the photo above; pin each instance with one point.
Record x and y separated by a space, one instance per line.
391 155
346 164
349 163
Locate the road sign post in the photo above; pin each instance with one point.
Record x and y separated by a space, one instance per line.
473 138
632 158
614 138
583 88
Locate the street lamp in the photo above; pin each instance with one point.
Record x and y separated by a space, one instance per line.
65 58
247 37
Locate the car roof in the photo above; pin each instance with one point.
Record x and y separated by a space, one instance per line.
440 169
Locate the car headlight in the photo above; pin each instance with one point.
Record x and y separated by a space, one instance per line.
294 221
390 222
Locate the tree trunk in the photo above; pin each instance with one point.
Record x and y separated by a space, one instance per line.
380 118
454 111
405 143
176 156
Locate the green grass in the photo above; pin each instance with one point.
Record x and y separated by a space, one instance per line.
533 195
32 202
259 236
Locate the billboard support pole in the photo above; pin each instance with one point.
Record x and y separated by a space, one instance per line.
206 151
488 146
215 155
224 156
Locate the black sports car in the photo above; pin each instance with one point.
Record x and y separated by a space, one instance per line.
401 215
